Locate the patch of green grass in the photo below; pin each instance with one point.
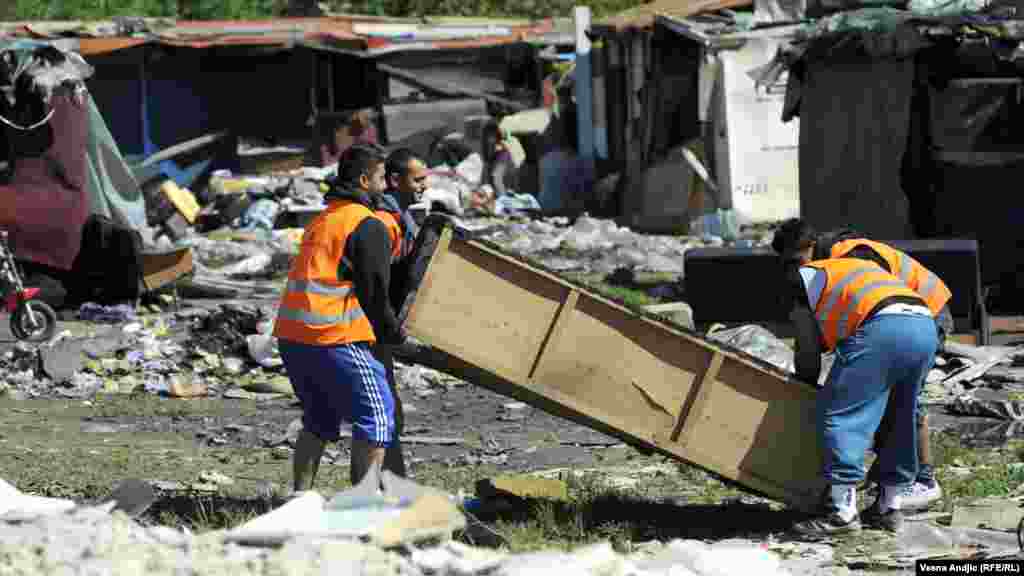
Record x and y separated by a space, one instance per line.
201 513
992 472
631 297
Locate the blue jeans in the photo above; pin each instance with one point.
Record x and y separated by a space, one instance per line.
885 360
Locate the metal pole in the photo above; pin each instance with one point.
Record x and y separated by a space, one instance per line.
584 95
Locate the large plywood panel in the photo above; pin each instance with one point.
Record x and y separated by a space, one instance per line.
528 334
610 362
479 307
758 425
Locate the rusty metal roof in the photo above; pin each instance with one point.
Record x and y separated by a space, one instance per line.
94 38
643 16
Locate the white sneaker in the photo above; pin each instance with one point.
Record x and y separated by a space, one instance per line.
920 496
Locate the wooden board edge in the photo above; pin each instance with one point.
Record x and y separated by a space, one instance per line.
427 281
697 399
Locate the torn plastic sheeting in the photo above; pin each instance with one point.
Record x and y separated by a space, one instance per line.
757 341
947 7
924 539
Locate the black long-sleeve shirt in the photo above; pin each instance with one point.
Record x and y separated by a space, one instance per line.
368 250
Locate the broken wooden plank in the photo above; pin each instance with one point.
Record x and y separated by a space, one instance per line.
667 307
446 88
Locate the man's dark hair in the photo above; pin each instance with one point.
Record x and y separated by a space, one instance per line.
794 234
398 162
358 160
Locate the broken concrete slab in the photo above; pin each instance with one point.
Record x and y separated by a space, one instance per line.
991 513
522 486
62 360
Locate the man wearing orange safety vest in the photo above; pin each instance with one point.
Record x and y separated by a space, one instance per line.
335 308
885 340
797 237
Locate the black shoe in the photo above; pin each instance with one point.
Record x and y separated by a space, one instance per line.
827 525
891 520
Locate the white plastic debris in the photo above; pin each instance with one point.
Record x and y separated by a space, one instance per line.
15 503
263 350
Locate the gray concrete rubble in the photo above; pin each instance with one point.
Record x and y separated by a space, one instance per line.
94 541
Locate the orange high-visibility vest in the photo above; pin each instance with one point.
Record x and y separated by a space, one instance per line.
928 286
317 307
852 290
394 231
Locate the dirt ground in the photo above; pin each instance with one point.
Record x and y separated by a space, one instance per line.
173 440
460 433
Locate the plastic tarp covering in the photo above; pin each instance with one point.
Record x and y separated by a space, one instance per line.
114 193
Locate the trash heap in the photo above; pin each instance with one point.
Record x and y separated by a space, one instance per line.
597 246
228 352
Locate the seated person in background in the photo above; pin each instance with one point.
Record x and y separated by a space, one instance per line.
338 134
500 168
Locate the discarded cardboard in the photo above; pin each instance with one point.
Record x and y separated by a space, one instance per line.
528 334
522 486
182 199
162 268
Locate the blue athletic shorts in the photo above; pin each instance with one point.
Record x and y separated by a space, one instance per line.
341 383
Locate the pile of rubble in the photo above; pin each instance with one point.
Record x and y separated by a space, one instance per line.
227 351
92 541
406 529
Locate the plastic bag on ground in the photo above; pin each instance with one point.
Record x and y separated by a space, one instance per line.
758 341
260 214
263 350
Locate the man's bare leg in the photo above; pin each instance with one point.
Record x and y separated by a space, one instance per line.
364 455
394 459
306 460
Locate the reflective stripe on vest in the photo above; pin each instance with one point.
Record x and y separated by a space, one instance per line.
928 286
317 306
852 289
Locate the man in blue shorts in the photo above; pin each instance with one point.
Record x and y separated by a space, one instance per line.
335 308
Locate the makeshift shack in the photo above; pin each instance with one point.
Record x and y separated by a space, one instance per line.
68 199
160 83
675 76
908 127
